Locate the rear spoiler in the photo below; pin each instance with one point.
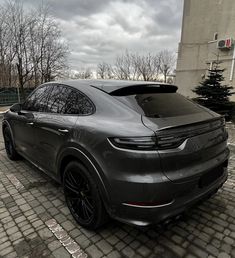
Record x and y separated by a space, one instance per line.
144 89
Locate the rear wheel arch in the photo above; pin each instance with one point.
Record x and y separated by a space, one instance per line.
74 154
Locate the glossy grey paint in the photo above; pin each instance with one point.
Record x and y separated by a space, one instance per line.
123 176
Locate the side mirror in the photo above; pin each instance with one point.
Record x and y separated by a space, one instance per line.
16 108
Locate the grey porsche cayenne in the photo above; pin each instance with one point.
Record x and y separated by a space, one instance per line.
138 152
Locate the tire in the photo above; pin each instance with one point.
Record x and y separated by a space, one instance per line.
9 146
82 196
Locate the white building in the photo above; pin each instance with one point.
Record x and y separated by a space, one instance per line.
208 30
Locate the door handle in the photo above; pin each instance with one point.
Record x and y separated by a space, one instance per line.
30 123
63 130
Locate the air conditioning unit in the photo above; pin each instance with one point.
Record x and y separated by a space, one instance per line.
225 44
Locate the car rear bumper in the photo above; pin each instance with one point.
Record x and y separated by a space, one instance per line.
180 198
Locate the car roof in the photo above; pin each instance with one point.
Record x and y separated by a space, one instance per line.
110 86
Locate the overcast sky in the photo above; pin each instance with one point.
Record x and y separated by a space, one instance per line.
98 30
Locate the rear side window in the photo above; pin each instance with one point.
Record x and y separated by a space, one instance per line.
66 100
160 105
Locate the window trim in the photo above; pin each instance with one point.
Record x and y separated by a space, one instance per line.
64 85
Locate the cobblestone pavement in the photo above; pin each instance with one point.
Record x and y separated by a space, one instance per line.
31 205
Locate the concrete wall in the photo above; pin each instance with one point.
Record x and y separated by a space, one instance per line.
197 49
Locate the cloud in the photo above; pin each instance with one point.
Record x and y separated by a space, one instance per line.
99 30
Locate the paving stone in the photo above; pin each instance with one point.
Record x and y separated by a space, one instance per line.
28 231
12 230
47 204
95 238
136 244
226 248
85 244
121 234
45 233
39 209
191 256
67 225
5 245
144 251
61 253
65 210
129 252
11 255
212 250
112 239
74 233
229 240
37 223
6 251
114 254
3 239
104 246
54 245
197 251
94 252
224 255
25 207
20 219
120 245
15 236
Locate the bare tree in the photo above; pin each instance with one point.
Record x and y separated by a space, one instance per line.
18 23
83 73
133 66
7 53
30 45
88 74
104 71
167 61
147 66
125 67
52 52
122 67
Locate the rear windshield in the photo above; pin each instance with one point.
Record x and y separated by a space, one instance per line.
160 104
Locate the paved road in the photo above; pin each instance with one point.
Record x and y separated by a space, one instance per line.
35 222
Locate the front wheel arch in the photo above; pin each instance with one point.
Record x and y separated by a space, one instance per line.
9 142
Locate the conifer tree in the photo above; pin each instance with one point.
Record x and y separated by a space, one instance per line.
213 94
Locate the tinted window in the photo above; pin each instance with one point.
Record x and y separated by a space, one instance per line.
66 100
161 104
38 100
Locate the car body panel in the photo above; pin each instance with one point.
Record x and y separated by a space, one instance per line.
204 149
52 132
23 133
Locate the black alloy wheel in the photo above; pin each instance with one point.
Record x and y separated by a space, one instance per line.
82 196
9 146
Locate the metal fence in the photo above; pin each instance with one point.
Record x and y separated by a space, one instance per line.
11 95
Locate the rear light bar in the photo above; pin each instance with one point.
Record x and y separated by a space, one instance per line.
147 143
166 140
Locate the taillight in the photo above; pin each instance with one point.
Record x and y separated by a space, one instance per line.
169 142
135 143
147 143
